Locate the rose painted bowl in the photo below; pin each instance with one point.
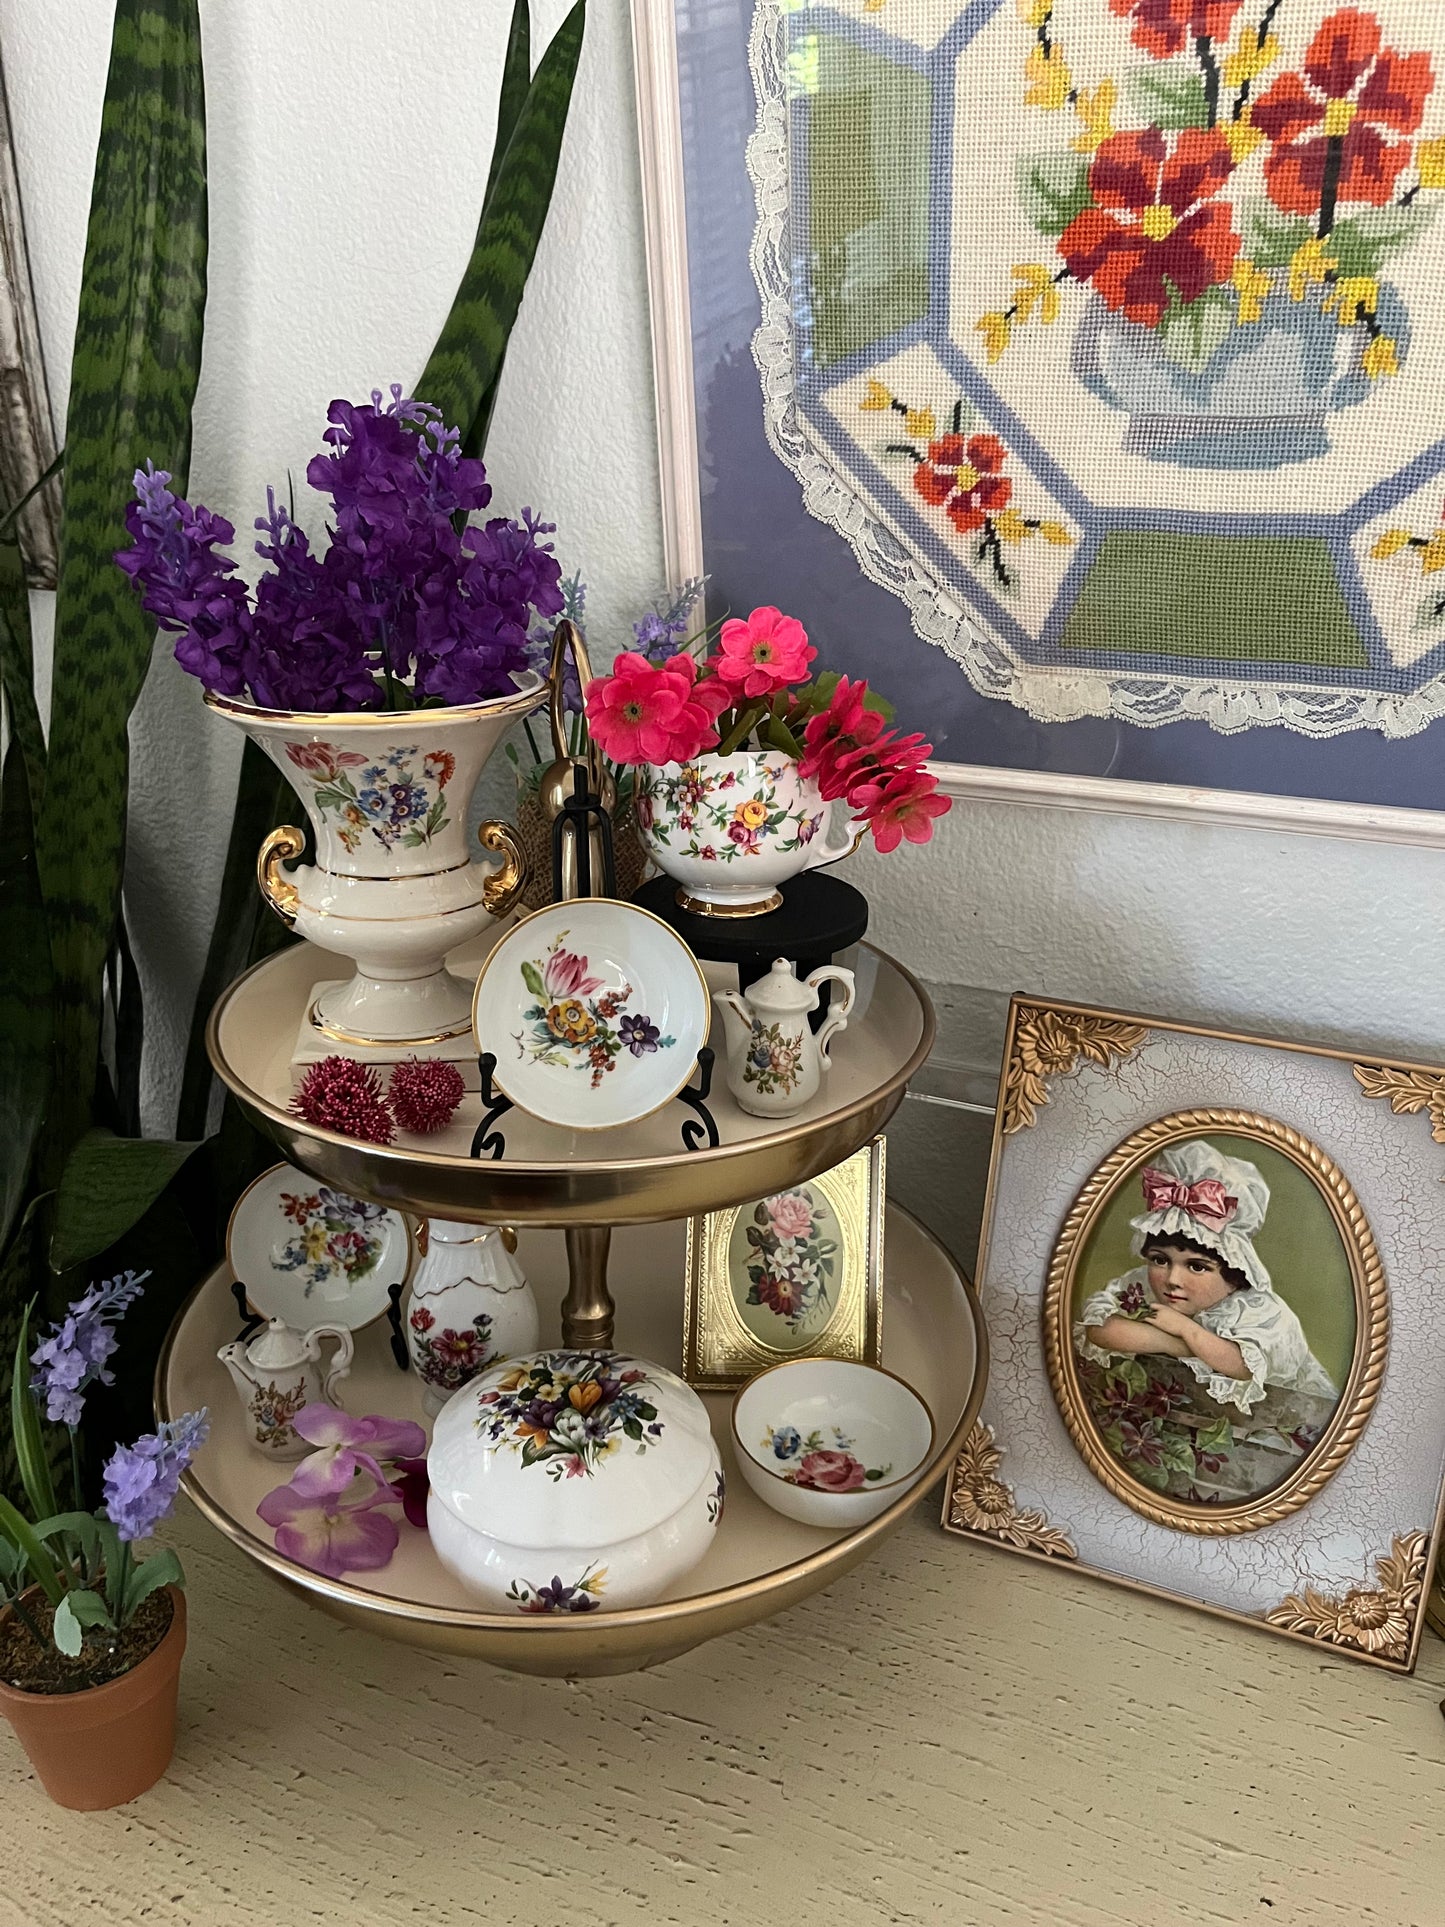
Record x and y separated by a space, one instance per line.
730 829
829 1442
573 1481
595 1012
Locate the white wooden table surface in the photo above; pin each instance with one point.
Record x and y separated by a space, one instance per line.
947 1734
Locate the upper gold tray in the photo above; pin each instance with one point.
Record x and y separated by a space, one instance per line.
635 1174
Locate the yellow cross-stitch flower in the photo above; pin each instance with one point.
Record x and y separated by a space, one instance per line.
1391 543
995 329
875 397
1243 137
1250 58
1011 527
1050 81
1432 556
1352 298
1309 267
920 423
1035 288
1253 288
1056 533
1430 159
1095 109
1380 359
1034 13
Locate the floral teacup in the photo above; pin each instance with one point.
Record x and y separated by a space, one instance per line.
730 829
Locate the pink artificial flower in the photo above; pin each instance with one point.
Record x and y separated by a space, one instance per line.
791 1215
900 804
837 742
565 975
414 1485
762 655
349 1445
831 1472
333 1532
654 712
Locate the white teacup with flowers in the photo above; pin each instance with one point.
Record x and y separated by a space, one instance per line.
751 770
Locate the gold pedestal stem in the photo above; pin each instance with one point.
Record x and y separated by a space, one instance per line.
587 1309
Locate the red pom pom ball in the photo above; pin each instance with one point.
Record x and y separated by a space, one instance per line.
425 1094
338 1094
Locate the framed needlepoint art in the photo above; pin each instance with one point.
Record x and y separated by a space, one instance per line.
1213 1270
1086 360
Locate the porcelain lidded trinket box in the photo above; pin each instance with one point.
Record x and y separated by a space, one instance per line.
569 1481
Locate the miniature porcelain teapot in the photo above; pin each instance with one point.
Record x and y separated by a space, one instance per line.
471 1305
277 1372
775 1061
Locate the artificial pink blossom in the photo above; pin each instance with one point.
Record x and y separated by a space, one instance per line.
653 712
413 1485
340 1094
901 804
762 655
333 1532
424 1094
348 1446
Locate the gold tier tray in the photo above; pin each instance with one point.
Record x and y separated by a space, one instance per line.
759 1562
636 1174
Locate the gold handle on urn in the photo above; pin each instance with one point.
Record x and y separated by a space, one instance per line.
275 886
501 889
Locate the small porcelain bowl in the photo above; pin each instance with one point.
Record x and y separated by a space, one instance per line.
568 1481
829 1442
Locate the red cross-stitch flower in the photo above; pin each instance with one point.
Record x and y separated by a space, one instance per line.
1153 224
965 478
1165 27
1325 123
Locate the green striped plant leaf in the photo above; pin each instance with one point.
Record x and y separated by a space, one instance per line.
25 1013
460 375
133 379
17 667
108 1185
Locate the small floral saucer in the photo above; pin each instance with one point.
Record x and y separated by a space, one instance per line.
311 1255
828 1441
595 1012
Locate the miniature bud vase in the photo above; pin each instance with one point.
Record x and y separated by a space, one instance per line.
775 1060
731 829
471 1306
392 886
277 1372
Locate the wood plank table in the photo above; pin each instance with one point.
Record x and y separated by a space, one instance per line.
948 1734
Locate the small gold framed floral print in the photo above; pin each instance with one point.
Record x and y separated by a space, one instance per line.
1213 1273
795 1275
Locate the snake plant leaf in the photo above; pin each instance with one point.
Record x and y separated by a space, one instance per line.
133 379
17 667
244 931
516 84
107 1186
26 1064
468 354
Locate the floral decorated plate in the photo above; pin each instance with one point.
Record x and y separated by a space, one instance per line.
595 1012
311 1255
828 1441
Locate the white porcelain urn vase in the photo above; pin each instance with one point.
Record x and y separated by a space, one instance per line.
393 885
470 1306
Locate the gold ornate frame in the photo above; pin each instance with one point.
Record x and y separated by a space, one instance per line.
1379 1622
719 1353
1372 1324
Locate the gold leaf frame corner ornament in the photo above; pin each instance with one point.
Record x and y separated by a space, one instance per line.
1052 1043
977 1501
1406 1091
1372 1323
1379 1621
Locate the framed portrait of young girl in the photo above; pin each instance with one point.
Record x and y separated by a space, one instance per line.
1212 1270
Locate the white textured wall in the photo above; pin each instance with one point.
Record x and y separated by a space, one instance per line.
349 145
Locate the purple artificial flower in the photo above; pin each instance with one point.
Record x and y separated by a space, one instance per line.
334 1532
414 1485
406 592
349 1445
74 1355
140 1481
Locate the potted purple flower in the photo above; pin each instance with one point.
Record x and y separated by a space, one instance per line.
91 1638
379 676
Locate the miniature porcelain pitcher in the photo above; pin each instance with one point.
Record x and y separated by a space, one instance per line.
470 1306
277 1372
775 1061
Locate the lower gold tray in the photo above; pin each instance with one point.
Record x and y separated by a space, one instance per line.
758 1564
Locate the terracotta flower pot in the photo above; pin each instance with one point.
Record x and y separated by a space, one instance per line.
104 1745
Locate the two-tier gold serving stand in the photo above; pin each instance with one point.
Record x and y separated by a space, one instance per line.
621 1198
